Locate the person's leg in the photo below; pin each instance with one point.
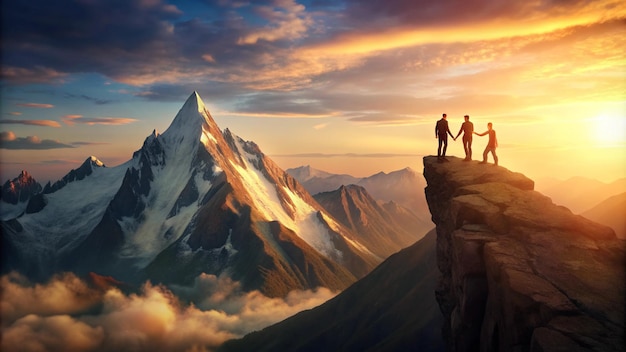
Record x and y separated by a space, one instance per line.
465 147
485 155
439 148
445 146
495 157
469 147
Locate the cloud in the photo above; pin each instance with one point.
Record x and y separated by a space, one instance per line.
47 123
30 75
71 120
66 313
446 13
36 105
14 113
8 140
97 101
288 20
91 42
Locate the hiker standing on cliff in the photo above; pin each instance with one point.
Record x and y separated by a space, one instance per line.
441 131
491 145
468 129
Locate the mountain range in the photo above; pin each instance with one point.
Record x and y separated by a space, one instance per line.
403 188
194 200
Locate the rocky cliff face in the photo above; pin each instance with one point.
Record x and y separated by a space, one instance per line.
518 272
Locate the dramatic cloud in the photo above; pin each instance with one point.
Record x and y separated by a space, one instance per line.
8 140
47 123
30 75
67 314
70 120
35 105
14 113
288 21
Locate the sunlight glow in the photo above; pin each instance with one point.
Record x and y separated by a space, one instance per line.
609 129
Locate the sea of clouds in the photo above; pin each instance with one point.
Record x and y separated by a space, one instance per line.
69 314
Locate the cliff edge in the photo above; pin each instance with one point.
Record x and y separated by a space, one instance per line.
518 272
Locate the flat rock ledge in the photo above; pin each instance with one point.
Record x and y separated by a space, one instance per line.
520 273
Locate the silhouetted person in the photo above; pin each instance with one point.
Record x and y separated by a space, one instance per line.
491 145
441 131
468 129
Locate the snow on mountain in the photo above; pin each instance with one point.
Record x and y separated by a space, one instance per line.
193 199
77 174
301 216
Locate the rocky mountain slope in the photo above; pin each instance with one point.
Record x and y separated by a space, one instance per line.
385 229
191 200
391 309
15 194
520 273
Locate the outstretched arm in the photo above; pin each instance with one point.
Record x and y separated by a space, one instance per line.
458 134
481 134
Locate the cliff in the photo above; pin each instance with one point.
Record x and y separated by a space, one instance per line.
518 272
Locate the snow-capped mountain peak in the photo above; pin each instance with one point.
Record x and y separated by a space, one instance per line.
191 200
193 121
96 162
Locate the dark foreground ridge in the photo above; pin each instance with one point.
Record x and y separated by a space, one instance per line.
518 272
391 309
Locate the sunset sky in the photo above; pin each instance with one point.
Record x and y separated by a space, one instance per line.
352 86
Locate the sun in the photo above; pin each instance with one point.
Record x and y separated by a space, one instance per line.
609 129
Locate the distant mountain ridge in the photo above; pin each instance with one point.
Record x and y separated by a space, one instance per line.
191 200
385 228
15 194
599 201
404 187
580 193
610 212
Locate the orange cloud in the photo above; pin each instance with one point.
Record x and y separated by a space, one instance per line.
66 314
6 136
47 123
36 74
35 105
70 120
8 140
351 49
